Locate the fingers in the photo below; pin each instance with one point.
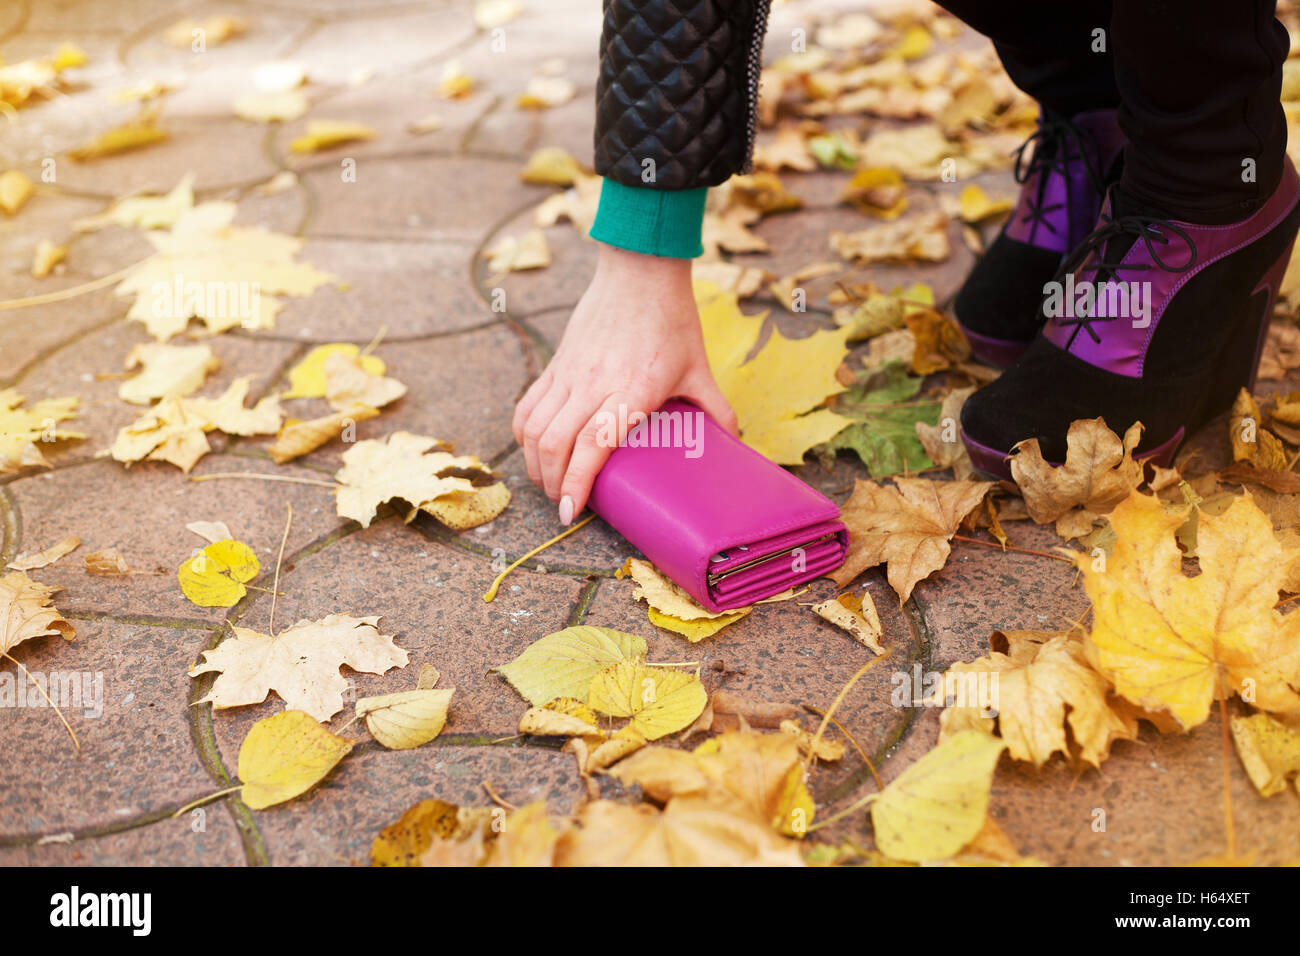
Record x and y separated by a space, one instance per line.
595 442
529 402
556 444
538 421
704 391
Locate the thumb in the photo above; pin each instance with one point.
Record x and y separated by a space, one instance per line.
704 391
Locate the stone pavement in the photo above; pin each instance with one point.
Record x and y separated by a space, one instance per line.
407 236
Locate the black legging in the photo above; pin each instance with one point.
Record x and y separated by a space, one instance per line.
1197 83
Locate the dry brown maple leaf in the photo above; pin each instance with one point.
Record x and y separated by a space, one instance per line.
301 663
1045 685
908 527
25 611
1251 441
1099 472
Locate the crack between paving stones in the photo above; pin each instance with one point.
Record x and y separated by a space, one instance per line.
922 653
438 534
51 350
11 526
240 610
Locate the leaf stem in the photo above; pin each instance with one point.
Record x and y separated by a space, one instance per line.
492 591
76 743
208 799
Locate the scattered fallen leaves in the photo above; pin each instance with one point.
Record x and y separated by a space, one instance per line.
922 238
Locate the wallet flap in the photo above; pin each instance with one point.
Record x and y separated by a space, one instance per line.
682 489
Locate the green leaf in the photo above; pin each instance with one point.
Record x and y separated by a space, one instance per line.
883 433
562 664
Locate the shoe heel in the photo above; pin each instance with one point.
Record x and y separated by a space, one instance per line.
1241 357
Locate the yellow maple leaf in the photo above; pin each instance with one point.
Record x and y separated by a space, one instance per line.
401 466
1269 750
775 395
22 428
1173 643
25 611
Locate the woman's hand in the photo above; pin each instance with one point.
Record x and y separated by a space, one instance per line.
633 341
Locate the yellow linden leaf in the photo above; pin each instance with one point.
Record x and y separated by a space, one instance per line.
976 206
562 664
461 510
660 700
774 394
286 755
21 429
527 838
695 630
142 131
407 719
878 191
15 190
688 832
1175 643
326 134
46 257
301 663
166 370
402 466
215 577
25 611
297 438
551 166
68 56
1269 750
307 378
938 805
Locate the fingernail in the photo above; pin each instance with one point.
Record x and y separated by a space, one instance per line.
566 510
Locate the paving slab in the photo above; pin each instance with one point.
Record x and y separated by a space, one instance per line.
146 525
137 757
336 823
205 837
431 602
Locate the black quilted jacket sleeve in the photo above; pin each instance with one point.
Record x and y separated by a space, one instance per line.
678 85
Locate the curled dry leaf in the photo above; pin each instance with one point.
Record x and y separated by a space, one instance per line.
30 562
1252 443
942 442
1099 472
908 527
107 561
301 663
328 133
21 429
518 253
922 238
1174 643
25 611
297 438
348 383
285 755
210 531
810 746
856 613
461 510
406 719
46 257
401 466
561 717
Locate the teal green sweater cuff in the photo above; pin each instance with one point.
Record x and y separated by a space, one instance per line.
658 222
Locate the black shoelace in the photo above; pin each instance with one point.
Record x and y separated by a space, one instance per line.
1152 230
1055 144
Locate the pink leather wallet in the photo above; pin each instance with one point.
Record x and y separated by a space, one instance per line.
714 515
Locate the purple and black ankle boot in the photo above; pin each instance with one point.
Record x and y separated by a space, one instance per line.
1070 164
1150 320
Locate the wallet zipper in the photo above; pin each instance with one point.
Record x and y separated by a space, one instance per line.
718 576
